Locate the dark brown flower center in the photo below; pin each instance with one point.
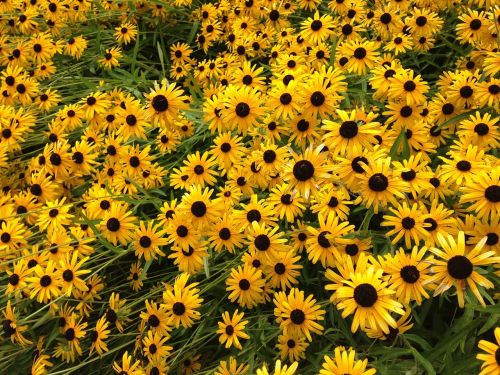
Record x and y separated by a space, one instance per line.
229 330
378 182
408 223
45 281
242 109
317 98
244 284
179 308
160 103
199 209
365 295
348 129
492 193
409 274
459 267
113 224
297 316
303 170
262 242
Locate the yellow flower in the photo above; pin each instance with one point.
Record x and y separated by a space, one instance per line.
231 329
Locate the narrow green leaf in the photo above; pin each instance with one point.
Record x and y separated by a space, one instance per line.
424 362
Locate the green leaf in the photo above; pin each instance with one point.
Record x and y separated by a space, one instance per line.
418 340
424 362
160 56
192 33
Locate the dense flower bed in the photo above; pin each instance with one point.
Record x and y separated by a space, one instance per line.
249 187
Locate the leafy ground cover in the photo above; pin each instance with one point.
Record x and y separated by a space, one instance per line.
249 187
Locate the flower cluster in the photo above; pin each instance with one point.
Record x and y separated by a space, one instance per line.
249 187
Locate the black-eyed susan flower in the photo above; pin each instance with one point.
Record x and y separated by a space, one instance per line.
400 43
227 150
344 361
354 247
408 223
386 20
488 93
94 104
54 216
45 284
408 274
118 224
245 285
117 312
17 277
414 172
365 294
155 347
225 235
483 192
379 185
266 240
254 211
191 364
164 103
489 229
285 100
307 171
182 302
242 108
98 337
321 242
111 58
84 158
288 204
279 368
74 331
472 27
457 266
489 356
480 129
156 318
128 366
320 96
40 363
292 347
362 55
57 157
404 324
12 235
249 75
462 93
189 260
331 200
70 272
11 327
126 33
462 165
297 314
232 329
424 22
405 86
149 239
348 133
282 272
198 168
132 119
231 367
317 28
198 206
181 232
